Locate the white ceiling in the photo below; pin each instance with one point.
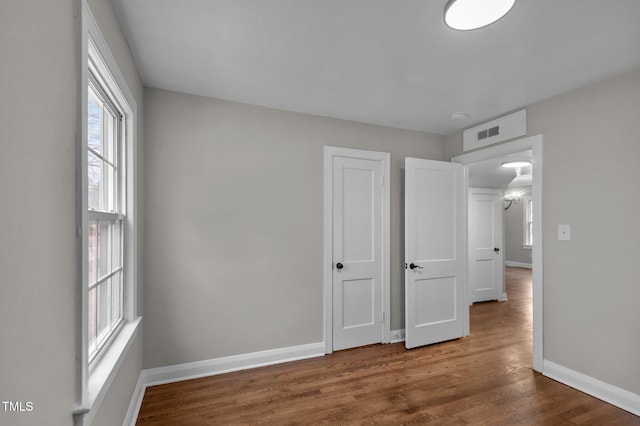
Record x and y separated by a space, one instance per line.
386 62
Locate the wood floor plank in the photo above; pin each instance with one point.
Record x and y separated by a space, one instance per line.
483 379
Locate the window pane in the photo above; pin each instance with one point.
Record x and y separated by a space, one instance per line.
94 184
93 252
109 134
116 297
94 113
116 245
109 190
104 309
91 316
104 251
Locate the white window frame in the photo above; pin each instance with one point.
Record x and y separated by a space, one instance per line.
94 376
527 208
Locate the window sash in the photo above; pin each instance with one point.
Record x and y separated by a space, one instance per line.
105 136
105 292
528 222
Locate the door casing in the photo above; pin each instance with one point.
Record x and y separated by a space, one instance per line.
330 153
533 143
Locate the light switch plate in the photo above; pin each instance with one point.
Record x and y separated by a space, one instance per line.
564 232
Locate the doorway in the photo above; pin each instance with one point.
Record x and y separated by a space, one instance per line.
534 144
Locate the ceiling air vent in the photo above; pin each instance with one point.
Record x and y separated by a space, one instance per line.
487 133
498 130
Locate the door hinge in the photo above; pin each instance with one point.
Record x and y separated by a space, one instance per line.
382 180
383 317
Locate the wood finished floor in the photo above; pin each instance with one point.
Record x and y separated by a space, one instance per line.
482 379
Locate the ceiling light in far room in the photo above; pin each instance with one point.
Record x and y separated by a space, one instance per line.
467 15
516 164
457 116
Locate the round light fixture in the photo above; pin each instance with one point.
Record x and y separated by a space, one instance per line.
459 115
516 164
473 14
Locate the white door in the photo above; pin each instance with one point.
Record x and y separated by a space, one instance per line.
358 250
436 306
486 254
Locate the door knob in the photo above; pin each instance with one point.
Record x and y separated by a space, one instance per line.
339 265
414 266
497 250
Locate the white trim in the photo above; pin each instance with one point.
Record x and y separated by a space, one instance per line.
210 367
329 153
102 376
215 366
518 264
533 143
136 402
619 397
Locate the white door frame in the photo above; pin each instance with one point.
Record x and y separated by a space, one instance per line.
533 143
329 153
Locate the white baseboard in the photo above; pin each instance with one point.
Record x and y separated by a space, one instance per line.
518 264
503 297
397 336
211 367
613 395
136 401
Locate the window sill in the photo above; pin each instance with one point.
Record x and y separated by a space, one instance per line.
104 372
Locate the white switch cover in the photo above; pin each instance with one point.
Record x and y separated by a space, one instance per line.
564 232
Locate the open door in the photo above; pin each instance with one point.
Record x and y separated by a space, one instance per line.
436 308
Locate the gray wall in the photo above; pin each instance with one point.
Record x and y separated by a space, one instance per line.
37 220
591 285
234 239
514 230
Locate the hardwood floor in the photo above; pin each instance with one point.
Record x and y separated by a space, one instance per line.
482 379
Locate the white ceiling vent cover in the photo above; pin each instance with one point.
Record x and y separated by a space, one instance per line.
498 130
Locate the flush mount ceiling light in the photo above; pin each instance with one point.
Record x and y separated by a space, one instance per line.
473 14
516 164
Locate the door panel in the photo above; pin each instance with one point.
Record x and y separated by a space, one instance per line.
435 282
357 246
358 204
486 254
359 298
437 298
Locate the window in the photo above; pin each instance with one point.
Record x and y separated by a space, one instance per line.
107 268
105 214
528 222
